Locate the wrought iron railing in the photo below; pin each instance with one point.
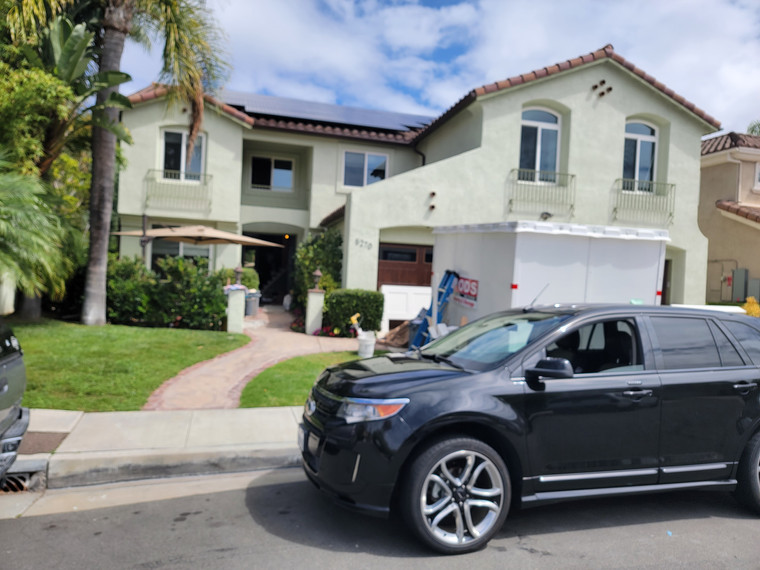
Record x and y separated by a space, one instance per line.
643 202
174 190
540 192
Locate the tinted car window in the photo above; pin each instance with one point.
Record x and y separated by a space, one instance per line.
599 347
748 336
685 343
729 356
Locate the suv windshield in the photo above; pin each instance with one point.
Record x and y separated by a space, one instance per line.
486 342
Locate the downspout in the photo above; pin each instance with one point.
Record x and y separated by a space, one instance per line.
422 154
733 160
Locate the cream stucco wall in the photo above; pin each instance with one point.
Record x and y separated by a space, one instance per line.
729 175
470 187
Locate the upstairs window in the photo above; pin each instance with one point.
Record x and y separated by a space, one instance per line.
272 173
362 168
539 145
176 164
639 157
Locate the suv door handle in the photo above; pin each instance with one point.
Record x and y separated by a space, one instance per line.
637 393
745 386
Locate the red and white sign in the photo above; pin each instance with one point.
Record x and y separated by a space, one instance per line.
466 292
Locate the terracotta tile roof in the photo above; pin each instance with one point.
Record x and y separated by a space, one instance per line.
749 212
413 135
156 91
729 141
607 52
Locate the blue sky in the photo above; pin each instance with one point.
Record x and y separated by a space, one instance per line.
422 56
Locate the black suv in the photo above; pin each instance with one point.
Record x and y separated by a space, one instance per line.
540 405
13 418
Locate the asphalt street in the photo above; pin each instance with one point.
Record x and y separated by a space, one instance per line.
267 519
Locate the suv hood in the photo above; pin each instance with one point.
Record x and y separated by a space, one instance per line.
373 377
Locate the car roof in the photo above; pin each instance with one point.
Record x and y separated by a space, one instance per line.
602 309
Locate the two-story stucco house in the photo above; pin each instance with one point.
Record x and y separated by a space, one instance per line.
592 140
729 215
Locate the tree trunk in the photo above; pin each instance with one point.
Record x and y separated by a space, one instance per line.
31 308
117 23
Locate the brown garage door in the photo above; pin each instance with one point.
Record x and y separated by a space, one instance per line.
404 264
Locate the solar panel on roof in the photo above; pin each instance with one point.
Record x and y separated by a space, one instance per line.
256 104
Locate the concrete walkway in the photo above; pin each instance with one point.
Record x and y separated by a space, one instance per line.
218 383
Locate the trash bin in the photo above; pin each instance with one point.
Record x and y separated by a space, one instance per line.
252 303
366 344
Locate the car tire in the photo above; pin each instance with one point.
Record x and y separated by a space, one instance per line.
456 495
748 475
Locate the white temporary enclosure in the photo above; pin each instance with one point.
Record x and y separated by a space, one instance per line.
513 264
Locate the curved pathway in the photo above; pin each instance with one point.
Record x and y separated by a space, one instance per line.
218 383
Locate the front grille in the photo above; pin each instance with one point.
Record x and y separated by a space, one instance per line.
327 404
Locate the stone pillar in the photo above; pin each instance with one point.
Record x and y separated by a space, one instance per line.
315 302
235 309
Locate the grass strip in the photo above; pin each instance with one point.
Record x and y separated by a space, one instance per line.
288 383
108 368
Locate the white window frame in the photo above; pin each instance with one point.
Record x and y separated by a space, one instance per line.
181 252
272 158
364 169
541 126
183 156
756 185
639 138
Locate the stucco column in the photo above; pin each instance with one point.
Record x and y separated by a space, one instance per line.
360 248
235 310
315 302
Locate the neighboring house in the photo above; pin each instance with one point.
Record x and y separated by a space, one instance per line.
729 215
593 140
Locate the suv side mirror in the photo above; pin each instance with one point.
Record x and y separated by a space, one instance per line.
550 367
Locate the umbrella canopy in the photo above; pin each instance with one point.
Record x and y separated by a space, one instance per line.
199 235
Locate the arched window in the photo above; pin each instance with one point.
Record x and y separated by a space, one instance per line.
539 145
639 156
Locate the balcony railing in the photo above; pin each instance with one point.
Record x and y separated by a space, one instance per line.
174 190
643 202
540 192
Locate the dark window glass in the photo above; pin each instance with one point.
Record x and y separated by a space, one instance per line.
261 171
398 254
528 147
629 160
685 343
729 356
429 255
173 151
748 336
353 172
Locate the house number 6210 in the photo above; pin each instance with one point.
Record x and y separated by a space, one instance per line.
363 243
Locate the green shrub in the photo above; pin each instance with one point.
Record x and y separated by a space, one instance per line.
129 289
188 296
342 304
319 251
249 278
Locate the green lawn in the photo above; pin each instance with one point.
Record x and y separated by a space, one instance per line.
108 368
288 383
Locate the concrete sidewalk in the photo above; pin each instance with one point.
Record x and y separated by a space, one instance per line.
111 447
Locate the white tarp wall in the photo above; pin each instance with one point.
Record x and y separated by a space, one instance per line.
509 264
402 303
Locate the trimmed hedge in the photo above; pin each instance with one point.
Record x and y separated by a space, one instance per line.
342 304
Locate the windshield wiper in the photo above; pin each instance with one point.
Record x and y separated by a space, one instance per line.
441 359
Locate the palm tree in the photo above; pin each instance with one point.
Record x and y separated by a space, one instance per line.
192 62
30 235
754 128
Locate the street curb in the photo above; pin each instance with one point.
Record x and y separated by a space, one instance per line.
94 468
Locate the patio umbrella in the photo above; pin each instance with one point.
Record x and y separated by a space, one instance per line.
198 235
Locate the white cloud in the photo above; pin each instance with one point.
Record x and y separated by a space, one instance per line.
423 56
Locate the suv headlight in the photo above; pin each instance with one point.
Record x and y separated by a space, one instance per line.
355 410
